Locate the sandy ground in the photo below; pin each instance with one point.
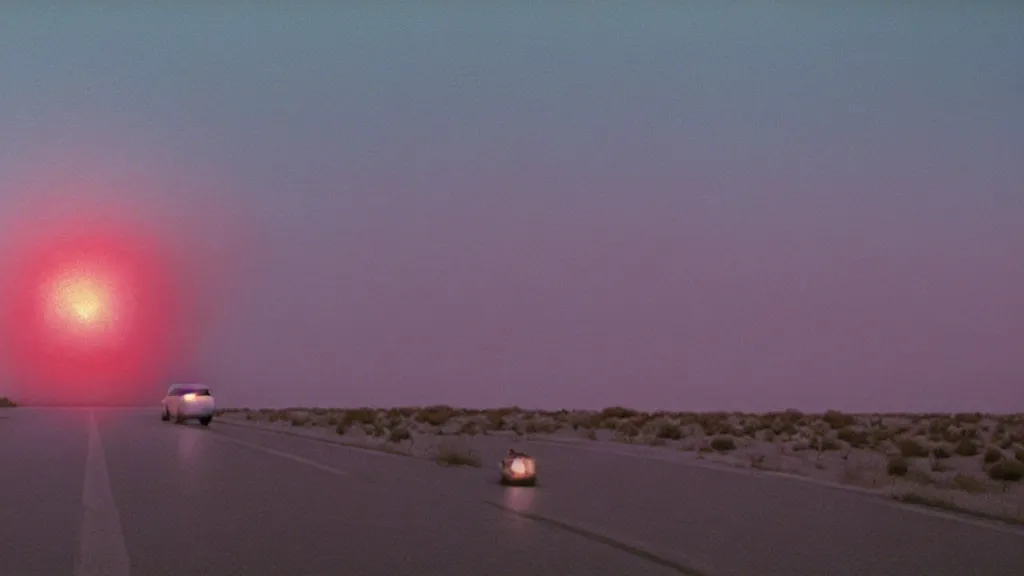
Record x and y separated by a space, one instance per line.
971 463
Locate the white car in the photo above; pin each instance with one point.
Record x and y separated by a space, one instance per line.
185 401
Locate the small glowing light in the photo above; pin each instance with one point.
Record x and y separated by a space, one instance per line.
518 467
189 397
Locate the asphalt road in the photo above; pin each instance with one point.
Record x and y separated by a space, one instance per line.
116 492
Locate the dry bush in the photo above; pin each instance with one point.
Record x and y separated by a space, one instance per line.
968 417
435 415
966 447
969 484
723 444
470 428
836 419
992 455
496 418
853 437
361 416
1007 471
542 425
584 420
627 430
897 467
6 402
399 434
825 444
669 431
456 454
910 448
617 412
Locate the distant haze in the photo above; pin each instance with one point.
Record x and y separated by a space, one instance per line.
658 204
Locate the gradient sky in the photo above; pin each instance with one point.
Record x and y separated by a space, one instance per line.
675 205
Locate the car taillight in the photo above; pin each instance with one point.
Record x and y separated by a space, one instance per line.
189 397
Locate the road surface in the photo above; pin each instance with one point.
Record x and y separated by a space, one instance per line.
117 492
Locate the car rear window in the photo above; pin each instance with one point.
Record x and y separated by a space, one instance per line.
197 390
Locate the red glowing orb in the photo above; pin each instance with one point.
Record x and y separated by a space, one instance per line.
91 317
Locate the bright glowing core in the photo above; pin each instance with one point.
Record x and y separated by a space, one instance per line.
82 299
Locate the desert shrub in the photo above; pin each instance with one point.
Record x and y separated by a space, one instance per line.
627 430
939 426
782 427
495 419
435 415
879 435
910 448
669 431
299 420
617 412
579 420
836 419
968 484
723 443
966 447
360 416
992 455
853 437
642 419
825 444
470 428
399 434
6 402
897 467
941 452
454 454
1019 454
968 417
714 423
1007 471
542 425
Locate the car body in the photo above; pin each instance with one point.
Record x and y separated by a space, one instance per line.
188 401
518 469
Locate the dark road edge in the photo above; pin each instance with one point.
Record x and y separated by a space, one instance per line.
632 549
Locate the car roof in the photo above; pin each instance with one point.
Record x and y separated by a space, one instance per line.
195 385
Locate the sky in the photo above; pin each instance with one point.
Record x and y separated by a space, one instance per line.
665 205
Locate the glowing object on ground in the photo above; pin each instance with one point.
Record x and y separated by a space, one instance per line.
518 467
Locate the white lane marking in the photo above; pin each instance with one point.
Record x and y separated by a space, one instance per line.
280 454
102 551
